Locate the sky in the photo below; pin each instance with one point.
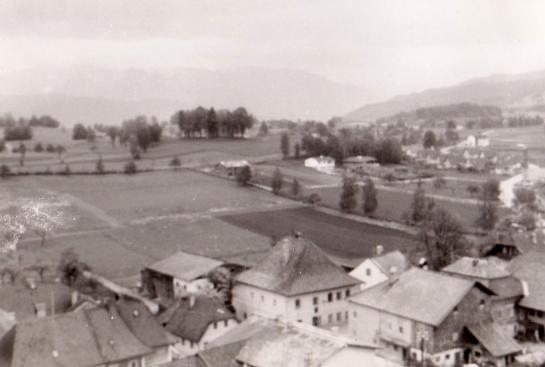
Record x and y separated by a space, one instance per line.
394 47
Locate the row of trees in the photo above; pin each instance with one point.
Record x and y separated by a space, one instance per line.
18 132
212 124
140 133
7 120
369 200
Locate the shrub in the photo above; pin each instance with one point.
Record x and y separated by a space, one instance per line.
175 162
50 148
38 148
4 171
99 166
130 168
244 176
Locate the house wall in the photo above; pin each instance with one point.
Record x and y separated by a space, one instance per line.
307 308
369 273
159 356
212 332
504 314
182 287
135 362
364 323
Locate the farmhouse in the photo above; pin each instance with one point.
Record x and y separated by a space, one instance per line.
508 290
321 163
477 141
296 282
197 320
85 338
506 245
421 311
360 162
380 268
231 168
177 275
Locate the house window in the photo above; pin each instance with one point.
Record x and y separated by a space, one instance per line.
215 325
315 309
539 313
226 323
368 272
339 316
346 315
245 315
447 356
315 301
401 329
481 306
347 293
297 303
330 297
531 312
339 296
330 318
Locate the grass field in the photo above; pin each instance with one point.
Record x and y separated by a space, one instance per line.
337 236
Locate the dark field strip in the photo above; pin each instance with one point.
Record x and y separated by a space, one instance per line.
335 235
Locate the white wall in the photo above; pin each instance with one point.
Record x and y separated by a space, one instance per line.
211 333
369 273
364 323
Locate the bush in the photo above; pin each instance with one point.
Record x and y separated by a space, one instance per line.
50 148
313 199
38 148
66 171
175 162
99 166
4 171
130 168
244 176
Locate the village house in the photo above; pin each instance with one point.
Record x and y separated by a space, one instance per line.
197 320
508 290
178 275
94 337
479 140
421 313
321 163
263 342
380 268
296 282
231 168
507 245
360 163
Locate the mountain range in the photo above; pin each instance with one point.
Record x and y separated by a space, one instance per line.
107 95
508 91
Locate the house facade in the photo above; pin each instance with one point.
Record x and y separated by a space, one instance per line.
321 163
380 268
296 282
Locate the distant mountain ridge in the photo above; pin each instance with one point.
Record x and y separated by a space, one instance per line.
106 95
506 91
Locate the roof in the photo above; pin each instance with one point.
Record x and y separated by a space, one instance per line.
533 274
83 338
359 159
143 324
21 300
494 339
405 296
7 320
191 361
385 262
185 266
295 265
223 355
235 163
476 268
190 322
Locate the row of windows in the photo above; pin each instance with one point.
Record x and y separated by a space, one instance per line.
315 300
225 323
532 312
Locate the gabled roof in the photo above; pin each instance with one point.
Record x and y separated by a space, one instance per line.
296 266
385 262
75 339
533 274
185 266
417 294
476 268
494 339
143 324
190 322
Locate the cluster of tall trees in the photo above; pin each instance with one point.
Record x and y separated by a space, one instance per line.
349 196
80 132
140 133
7 120
200 122
18 132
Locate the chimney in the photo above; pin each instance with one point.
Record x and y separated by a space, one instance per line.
394 276
74 298
525 289
379 249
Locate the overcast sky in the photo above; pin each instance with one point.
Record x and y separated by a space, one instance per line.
393 46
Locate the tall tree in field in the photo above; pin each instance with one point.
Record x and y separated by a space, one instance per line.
22 152
369 197
295 188
442 238
285 145
297 150
488 215
244 175
113 132
277 181
430 141
212 123
421 206
348 199
491 189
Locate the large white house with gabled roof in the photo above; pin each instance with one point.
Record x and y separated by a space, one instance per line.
296 282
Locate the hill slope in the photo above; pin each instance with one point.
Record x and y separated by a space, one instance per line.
518 91
91 94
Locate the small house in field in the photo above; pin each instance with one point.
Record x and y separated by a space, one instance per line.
360 162
296 282
231 168
320 163
380 268
197 320
178 275
479 140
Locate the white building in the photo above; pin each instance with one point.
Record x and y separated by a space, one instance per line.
475 141
296 282
380 268
320 163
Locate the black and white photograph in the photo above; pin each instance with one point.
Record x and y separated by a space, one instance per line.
272 183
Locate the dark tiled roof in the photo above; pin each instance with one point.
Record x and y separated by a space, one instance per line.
294 266
417 294
143 324
190 323
533 274
495 340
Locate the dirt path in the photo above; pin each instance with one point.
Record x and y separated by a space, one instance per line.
98 213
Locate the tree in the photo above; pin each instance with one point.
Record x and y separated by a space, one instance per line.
90 136
38 148
348 199
22 151
175 162
277 181
488 215
99 165
442 238
133 147
42 218
263 129
421 207
113 132
50 148
244 175
430 141
473 189
491 189
60 149
369 197
439 183
79 132
297 150
222 280
525 197
527 219
66 171
285 145
70 267
4 171
130 168
212 123
295 188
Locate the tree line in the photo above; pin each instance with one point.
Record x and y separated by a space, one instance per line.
203 123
